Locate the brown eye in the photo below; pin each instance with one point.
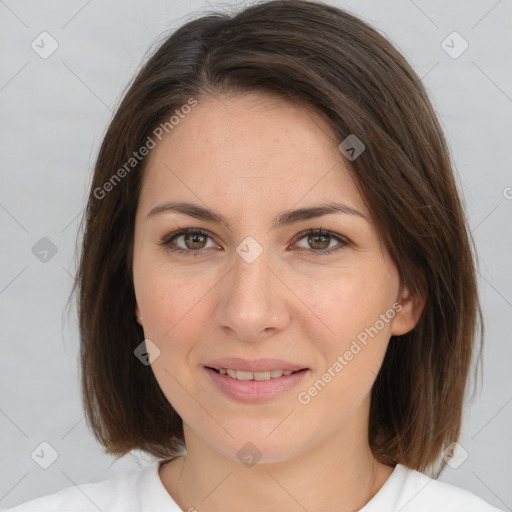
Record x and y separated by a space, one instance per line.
319 241
195 240
187 241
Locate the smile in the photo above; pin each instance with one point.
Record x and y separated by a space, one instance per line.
246 375
254 386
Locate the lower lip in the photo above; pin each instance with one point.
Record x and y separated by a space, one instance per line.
251 391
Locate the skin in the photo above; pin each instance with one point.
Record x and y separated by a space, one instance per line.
250 157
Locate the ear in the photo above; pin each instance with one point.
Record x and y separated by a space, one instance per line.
137 314
408 313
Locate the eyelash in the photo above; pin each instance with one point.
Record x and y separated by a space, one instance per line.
167 240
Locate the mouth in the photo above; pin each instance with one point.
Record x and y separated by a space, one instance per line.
257 381
245 375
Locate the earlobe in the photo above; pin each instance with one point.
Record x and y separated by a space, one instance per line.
409 313
137 314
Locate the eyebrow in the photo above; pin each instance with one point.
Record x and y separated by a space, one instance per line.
284 218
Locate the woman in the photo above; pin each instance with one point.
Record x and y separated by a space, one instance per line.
277 293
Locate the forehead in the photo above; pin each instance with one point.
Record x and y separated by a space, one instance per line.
256 147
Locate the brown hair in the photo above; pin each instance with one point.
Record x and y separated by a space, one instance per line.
317 55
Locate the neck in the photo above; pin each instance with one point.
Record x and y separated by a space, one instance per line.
340 475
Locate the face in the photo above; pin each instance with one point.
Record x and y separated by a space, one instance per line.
250 294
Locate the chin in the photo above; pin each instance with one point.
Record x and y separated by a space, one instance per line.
256 448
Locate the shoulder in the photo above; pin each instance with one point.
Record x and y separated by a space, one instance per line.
116 494
420 493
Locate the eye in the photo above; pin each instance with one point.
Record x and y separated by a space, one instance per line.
194 242
320 240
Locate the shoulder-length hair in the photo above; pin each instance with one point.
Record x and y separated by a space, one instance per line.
317 55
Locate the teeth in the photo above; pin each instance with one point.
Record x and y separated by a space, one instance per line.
262 375
243 375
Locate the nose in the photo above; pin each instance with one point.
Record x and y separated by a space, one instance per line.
252 301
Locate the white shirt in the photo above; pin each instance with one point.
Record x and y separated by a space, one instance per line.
141 490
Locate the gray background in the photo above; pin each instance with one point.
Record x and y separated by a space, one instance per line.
54 113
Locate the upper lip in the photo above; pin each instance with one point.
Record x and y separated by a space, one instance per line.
254 365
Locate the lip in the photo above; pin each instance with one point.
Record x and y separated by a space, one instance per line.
253 391
255 365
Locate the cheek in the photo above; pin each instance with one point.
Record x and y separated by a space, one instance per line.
175 309
352 349
345 306
173 301
351 336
